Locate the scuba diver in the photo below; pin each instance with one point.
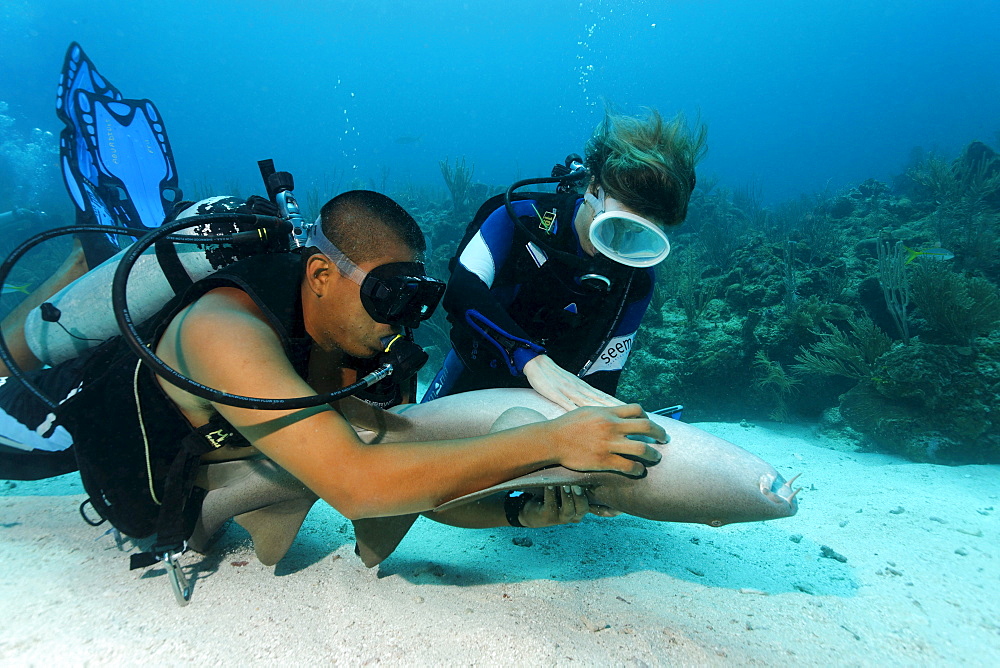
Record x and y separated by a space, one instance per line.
118 168
547 290
153 438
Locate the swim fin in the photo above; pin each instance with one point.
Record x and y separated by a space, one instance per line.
127 143
114 154
78 73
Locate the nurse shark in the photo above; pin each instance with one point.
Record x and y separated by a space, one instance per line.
701 478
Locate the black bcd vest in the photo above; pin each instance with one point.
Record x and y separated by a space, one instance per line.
145 485
552 304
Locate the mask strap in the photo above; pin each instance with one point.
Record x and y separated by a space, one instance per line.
594 202
344 264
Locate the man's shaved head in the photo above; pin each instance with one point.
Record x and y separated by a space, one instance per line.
366 224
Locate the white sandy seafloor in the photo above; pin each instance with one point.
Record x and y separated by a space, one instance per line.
918 583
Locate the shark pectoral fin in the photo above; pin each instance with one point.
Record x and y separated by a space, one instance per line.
377 537
273 528
555 476
265 499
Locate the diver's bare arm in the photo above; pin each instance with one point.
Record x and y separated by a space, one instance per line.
322 450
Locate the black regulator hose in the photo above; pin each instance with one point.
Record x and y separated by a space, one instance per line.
134 341
517 185
8 265
568 258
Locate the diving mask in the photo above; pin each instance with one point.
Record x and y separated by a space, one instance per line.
623 236
396 293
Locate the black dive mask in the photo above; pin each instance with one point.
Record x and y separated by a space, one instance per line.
400 293
397 293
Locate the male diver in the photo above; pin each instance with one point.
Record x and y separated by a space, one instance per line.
550 291
281 325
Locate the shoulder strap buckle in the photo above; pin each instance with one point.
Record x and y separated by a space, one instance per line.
547 221
218 437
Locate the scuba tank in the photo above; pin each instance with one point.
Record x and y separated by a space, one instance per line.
81 315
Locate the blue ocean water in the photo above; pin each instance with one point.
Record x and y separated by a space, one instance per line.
798 96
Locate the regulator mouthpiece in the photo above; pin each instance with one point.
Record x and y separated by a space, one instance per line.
405 356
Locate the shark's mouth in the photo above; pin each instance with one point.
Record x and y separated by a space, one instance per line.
780 492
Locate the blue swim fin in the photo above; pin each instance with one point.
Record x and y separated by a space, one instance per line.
78 74
114 153
128 144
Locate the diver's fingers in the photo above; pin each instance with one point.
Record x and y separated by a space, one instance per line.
640 449
550 499
629 411
631 457
649 429
580 502
567 404
640 453
564 509
627 466
604 511
611 399
582 394
561 400
567 506
593 397
637 423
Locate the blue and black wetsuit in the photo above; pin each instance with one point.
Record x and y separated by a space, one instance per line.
510 299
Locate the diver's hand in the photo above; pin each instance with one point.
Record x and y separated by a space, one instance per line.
559 505
563 388
597 439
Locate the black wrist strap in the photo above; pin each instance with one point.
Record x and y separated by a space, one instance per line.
513 504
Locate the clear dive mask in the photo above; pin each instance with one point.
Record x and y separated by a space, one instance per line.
625 237
396 293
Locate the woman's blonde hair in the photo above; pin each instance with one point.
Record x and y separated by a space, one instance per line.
647 164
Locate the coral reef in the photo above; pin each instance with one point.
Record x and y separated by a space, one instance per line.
30 184
29 176
931 403
777 382
458 180
957 309
826 293
851 355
